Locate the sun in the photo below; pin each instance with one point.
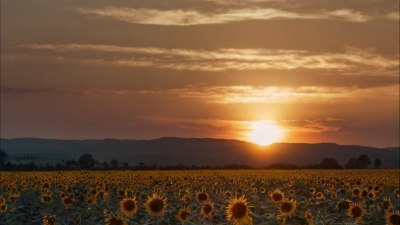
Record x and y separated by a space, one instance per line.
264 132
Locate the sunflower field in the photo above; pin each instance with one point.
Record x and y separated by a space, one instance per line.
206 197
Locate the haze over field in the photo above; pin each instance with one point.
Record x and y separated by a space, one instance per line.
259 70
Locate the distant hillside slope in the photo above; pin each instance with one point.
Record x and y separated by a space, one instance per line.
193 151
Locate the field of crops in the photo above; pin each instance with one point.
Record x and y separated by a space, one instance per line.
260 197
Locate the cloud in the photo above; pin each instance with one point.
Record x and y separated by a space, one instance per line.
393 16
280 94
352 59
180 17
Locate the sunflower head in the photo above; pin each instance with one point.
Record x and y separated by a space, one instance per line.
393 218
67 201
156 205
128 207
115 220
202 197
238 212
308 216
49 220
387 204
356 192
183 214
185 200
343 205
277 195
207 209
287 207
356 211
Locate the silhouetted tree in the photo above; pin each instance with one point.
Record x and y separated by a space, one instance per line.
377 163
329 163
3 158
114 164
86 161
362 162
105 165
125 165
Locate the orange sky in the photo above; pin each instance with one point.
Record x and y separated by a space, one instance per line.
323 71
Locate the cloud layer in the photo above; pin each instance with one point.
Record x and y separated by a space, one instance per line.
227 59
181 17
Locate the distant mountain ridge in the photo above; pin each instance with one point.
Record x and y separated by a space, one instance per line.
194 151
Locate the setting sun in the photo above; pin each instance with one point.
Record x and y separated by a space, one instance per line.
264 132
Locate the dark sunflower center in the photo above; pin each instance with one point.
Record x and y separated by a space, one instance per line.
356 192
202 197
239 210
356 211
364 194
286 207
277 196
386 205
394 219
129 205
185 215
156 205
207 209
67 201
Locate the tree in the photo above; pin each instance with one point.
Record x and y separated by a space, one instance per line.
363 161
86 161
3 158
125 165
114 164
105 165
330 163
377 163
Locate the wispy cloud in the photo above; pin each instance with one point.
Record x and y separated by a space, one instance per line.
279 94
226 59
181 17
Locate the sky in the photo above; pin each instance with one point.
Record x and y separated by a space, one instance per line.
320 70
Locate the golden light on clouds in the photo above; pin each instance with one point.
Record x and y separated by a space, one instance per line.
265 132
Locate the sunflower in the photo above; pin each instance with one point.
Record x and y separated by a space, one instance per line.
356 211
287 207
393 218
49 220
2 200
292 192
128 207
238 212
312 190
67 202
356 192
364 193
185 200
308 216
387 204
343 204
320 196
202 196
156 205
115 220
183 214
3 208
207 209
277 195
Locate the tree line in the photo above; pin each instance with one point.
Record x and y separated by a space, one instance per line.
88 162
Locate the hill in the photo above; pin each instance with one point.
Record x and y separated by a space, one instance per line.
192 151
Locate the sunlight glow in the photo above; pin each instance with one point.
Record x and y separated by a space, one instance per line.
264 132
